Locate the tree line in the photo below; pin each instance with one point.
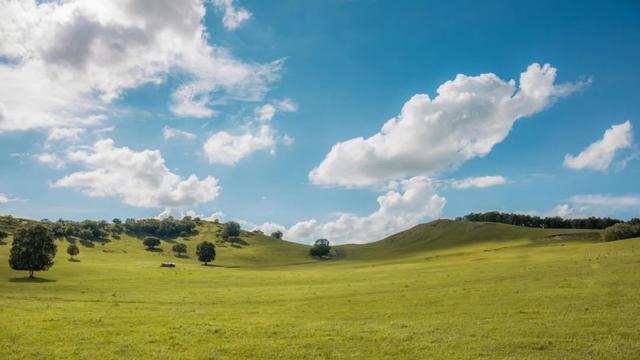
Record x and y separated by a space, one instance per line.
554 222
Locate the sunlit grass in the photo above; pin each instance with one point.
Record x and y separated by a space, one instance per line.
509 293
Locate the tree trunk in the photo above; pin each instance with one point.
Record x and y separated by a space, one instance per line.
30 274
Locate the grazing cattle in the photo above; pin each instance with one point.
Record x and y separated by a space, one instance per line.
168 264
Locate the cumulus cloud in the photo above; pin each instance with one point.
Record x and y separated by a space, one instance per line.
4 199
68 60
228 149
465 120
268 111
138 178
479 182
600 154
415 201
233 16
65 134
51 160
170 133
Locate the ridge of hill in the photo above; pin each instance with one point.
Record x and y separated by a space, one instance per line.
442 235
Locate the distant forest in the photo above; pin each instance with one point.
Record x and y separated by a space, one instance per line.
555 222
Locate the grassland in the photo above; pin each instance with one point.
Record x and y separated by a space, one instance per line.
446 290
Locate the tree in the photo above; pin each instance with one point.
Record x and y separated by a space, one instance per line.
73 250
277 234
179 249
230 229
320 248
116 221
206 252
85 234
33 249
3 235
151 242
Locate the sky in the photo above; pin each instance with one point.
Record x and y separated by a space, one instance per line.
345 120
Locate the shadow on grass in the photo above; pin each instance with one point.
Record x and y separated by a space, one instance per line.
30 280
183 256
73 260
154 250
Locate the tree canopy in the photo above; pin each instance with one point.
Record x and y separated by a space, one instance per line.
179 248
33 249
277 234
546 222
206 252
320 248
230 229
73 250
151 242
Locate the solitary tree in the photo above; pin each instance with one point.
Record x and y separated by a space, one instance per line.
33 249
116 221
206 252
180 249
320 248
277 234
3 235
151 242
230 229
73 250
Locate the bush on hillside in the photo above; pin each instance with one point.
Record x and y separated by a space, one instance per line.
277 234
320 248
179 249
622 231
206 252
230 230
73 250
151 242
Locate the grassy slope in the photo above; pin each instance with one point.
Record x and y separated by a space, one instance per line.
448 235
493 298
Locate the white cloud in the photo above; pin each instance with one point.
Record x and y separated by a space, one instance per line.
233 17
52 160
4 199
268 228
287 140
225 148
479 182
169 133
268 111
68 60
65 134
138 178
600 154
606 203
397 211
465 120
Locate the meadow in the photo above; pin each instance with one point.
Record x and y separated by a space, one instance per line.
444 290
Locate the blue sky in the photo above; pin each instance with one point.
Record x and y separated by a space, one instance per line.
253 95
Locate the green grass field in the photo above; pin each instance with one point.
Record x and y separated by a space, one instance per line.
445 290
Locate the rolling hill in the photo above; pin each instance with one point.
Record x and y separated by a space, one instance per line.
443 290
449 235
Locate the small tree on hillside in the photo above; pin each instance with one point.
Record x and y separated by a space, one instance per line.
73 250
3 235
85 234
230 229
320 248
33 249
179 249
277 234
206 252
151 243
